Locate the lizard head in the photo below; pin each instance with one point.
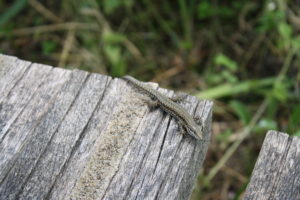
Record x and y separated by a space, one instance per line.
196 131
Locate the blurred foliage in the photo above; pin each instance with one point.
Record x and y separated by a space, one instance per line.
237 52
12 11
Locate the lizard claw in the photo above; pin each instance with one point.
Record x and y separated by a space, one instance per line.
198 120
152 104
179 98
181 129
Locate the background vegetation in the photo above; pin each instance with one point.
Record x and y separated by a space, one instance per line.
243 54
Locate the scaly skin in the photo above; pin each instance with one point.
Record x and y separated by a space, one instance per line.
186 121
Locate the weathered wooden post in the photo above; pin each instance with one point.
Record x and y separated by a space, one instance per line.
277 171
76 135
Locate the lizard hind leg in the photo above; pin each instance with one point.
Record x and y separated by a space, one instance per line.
152 104
179 98
198 120
181 129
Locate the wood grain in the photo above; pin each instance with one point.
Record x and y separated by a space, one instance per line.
277 171
11 71
76 135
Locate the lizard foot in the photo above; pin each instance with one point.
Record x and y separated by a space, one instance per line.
181 129
152 104
179 98
198 120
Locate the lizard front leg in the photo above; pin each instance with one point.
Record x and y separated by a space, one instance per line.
181 128
152 103
179 98
198 120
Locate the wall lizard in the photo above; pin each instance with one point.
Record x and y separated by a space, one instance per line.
186 122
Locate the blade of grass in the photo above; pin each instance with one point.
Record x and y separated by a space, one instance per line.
12 11
229 89
48 14
185 20
244 133
247 130
163 23
52 28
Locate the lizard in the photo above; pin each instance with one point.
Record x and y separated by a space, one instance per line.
186 122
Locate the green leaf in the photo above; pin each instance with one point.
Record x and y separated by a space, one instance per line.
296 43
295 116
297 133
214 78
269 20
111 5
118 69
114 56
12 11
285 31
224 136
113 38
48 47
221 59
113 53
229 89
205 10
229 76
185 44
280 92
225 11
294 121
241 111
272 108
267 124
128 3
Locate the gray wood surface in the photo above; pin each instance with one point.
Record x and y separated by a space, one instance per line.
76 135
277 171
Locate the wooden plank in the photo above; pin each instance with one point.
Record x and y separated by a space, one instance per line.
19 97
152 166
21 118
95 128
64 140
9 74
85 136
277 171
27 139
